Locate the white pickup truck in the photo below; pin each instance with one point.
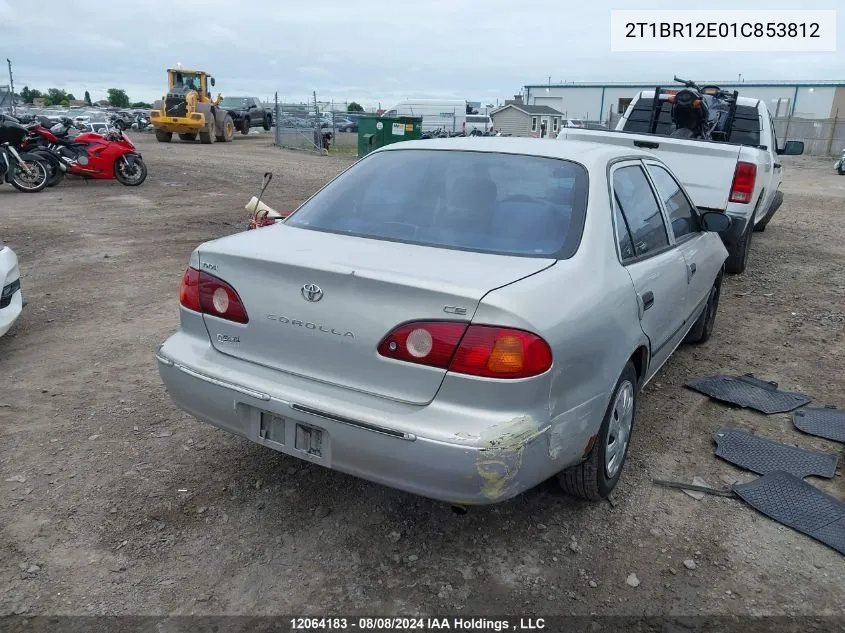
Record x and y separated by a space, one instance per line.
739 176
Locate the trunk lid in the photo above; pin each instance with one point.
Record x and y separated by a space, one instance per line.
367 288
705 168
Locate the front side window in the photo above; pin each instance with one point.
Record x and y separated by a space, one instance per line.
640 210
483 201
682 216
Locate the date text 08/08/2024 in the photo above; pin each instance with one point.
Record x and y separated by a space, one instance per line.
417 624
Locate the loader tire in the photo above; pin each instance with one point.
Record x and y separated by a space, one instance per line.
207 135
228 132
164 137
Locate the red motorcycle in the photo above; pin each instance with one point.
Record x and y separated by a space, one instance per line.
89 155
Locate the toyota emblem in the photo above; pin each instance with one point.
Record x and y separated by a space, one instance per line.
311 292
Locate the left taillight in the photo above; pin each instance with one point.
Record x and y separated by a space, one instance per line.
208 294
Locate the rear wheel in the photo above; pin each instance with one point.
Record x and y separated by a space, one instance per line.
164 137
245 125
738 257
207 134
268 122
597 476
188 136
703 326
29 176
841 168
228 132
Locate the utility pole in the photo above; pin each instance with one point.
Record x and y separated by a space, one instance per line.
11 85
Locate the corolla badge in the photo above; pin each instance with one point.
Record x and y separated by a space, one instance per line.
311 292
308 325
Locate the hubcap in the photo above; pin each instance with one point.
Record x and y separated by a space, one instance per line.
619 429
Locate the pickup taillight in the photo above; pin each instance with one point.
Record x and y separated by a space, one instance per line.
742 187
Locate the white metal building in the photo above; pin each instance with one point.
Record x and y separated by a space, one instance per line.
597 101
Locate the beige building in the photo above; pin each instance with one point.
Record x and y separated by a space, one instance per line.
518 119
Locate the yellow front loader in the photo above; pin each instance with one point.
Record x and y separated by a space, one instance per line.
188 110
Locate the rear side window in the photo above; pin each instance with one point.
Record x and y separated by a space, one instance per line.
640 211
745 130
497 203
681 214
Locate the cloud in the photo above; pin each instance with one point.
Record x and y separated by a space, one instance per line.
369 51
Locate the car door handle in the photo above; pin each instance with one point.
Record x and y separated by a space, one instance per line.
648 300
692 270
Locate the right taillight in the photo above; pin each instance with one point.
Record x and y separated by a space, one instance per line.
208 294
742 187
476 350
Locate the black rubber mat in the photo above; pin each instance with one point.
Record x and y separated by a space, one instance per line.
828 423
793 502
749 392
763 456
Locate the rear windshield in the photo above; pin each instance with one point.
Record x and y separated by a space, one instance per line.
745 129
481 201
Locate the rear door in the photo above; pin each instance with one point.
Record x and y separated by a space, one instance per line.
657 269
699 250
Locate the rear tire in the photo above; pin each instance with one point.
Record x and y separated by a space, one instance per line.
841 168
164 137
702 329
268 122
245 125
228 131
596 477
738 258
207 134
188 136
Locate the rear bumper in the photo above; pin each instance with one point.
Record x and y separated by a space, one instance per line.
357 437
739 224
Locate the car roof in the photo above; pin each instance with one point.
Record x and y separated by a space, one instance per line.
586 153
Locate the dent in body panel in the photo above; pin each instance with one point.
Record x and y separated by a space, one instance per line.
500 455
570 431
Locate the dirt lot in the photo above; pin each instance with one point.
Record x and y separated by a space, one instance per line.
130 507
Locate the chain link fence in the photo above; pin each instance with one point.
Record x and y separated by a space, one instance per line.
316 126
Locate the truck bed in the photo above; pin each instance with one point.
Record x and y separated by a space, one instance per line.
705 168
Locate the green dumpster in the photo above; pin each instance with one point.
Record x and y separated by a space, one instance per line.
376 131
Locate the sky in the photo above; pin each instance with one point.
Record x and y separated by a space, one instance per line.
371 51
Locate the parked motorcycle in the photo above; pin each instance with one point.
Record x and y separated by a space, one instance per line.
24 171
839 165
702 112
90 155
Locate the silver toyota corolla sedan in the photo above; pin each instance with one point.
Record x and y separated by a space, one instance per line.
458 318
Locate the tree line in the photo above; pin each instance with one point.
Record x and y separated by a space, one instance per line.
117 97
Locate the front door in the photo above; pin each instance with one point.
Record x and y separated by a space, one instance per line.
657 269
545 127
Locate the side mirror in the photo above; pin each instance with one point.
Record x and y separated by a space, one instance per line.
792 148
715 222
212 81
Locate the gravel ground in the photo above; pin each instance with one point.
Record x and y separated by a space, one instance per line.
112 501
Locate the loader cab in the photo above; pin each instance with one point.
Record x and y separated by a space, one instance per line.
180 80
